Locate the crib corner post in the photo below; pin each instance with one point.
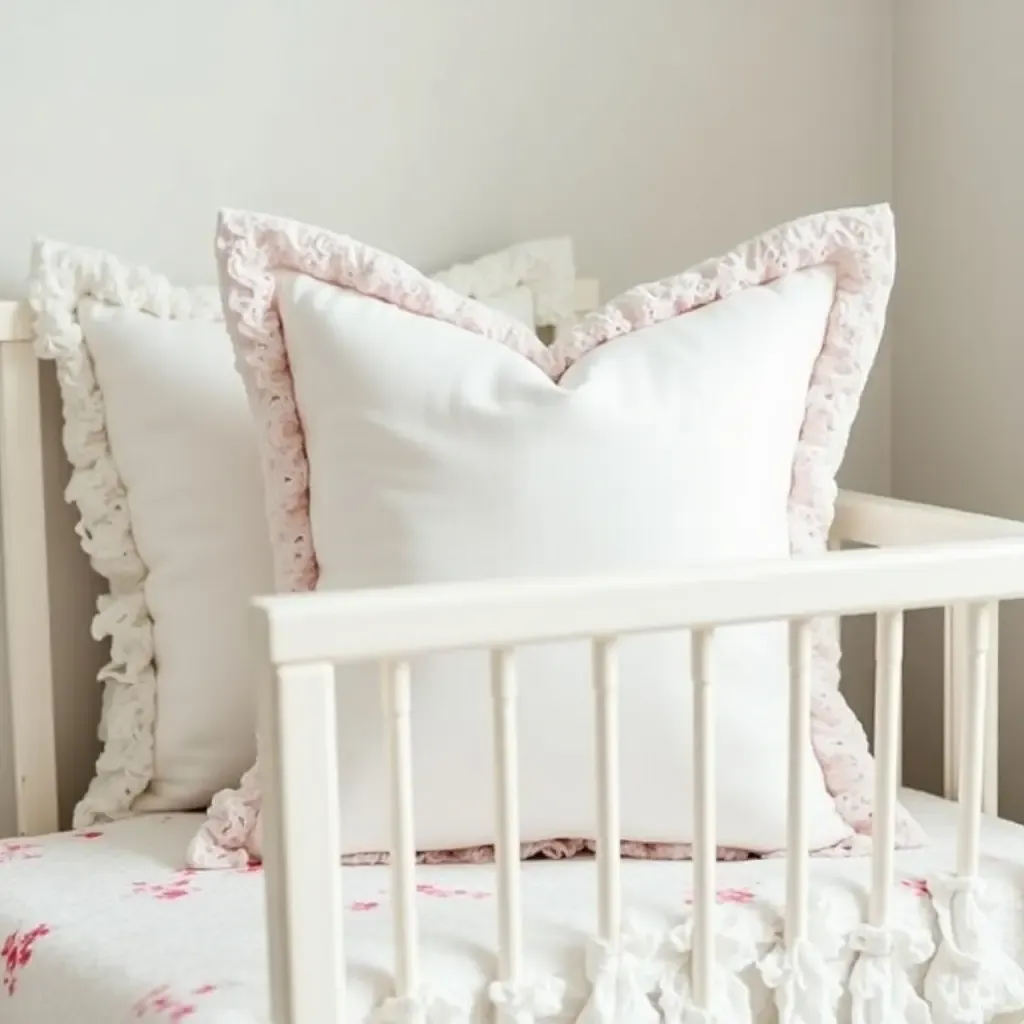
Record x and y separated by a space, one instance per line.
301 834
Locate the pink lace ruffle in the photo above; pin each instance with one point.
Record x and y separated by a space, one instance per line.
858 243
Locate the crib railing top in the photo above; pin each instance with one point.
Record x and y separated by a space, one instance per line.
374 623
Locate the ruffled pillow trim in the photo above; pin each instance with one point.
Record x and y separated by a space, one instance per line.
62 276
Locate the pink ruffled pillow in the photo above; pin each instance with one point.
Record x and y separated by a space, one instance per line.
856 247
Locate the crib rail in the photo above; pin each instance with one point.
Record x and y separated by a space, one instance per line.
300 637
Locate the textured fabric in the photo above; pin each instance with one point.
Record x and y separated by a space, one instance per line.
107 925
167 482
698 418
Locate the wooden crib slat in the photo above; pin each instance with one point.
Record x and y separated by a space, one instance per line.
800 661
395 678
704 819
954 637
606 692
888 688
974 719
506 780
990 792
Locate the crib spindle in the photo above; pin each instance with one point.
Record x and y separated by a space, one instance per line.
606 691
954 668
396 699
990 792
888 687
702 962
800 664
956 675
972 753
506 778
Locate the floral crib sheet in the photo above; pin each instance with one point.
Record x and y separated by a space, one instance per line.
104 925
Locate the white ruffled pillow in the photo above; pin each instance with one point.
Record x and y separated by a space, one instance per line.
167 480
412 436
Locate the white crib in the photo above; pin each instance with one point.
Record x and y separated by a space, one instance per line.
965 563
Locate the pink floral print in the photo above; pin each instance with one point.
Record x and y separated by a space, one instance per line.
13 851
16 953
741 896
88 835
443 893
364 905
918 886
160 1003
181 884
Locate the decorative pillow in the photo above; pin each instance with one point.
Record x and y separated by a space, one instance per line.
411 436
167 480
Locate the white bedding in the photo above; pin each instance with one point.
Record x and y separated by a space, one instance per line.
104 926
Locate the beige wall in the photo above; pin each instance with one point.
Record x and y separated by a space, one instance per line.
655 132
957 343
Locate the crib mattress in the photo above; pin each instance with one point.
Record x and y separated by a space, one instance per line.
104 925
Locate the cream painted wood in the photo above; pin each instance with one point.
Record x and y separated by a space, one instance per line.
954 638
506 785
972 764
395 623
800 666
509 613
26 601
301 847
956 674
888 687
395 683
606 745
702 673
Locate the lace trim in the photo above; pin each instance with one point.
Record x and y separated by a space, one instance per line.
61 277
546 266
623 977
881 989
804 976
971 977
526 1002
735 949
858 243
645 976
423 1008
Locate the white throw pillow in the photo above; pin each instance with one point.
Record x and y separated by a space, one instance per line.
411 437
167 480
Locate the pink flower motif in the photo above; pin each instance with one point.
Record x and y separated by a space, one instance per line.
13 851
161 1003
446 894
729 896
16 954
734 896
88 835
918 886
364 905
179 886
